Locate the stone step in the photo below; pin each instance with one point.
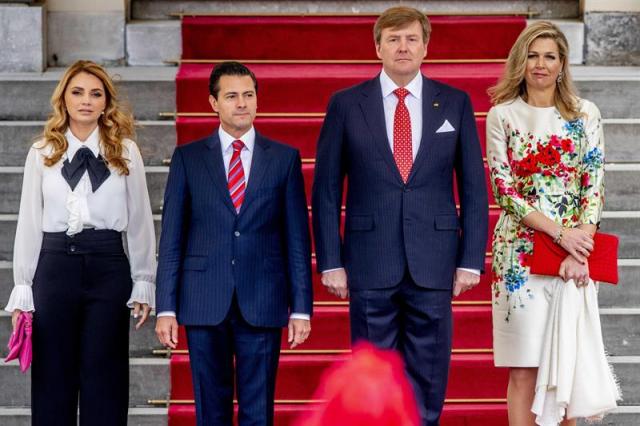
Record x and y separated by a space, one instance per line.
142 342
620 328
159 10
151 90
625 295
148 90
622 187
621 331
153 43
138 416
157 139
622 416
622 224
159 42
11 184
148 379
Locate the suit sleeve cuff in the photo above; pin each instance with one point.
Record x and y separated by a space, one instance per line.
330 270
296 315
473 271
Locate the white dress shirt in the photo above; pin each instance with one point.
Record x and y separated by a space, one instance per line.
246 156
413 101
48 204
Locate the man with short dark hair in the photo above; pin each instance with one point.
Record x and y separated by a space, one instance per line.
235 256
398 139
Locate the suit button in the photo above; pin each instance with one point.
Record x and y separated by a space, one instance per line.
237 233
72 249
407 189
233 261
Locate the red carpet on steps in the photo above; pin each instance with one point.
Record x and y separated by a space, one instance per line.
299 132
298 376
331 330
337 37
294 96
305 88
469 414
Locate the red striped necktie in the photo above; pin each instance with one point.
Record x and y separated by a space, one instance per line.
402 149
235 180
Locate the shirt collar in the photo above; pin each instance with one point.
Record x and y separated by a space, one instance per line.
92 142
248 139
388 86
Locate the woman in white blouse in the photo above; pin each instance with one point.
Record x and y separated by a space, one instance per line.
84 189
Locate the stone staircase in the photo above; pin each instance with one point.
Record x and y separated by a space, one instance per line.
150 89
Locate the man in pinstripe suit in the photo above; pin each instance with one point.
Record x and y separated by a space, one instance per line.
235 259
398 139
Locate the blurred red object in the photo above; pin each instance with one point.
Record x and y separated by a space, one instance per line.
371 389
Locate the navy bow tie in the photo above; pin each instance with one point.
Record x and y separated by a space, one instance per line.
85 160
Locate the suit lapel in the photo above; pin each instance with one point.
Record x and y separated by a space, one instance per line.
259 164
215 166
432 110
373 109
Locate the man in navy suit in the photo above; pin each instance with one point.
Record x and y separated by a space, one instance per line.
399 138
235 259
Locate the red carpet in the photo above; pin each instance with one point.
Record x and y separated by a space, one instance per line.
298 376
480 293
331 329
305 88
299 132
292 98
337 37
469 414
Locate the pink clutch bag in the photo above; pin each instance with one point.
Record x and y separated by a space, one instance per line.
20 342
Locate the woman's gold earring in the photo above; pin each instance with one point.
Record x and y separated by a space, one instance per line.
559 79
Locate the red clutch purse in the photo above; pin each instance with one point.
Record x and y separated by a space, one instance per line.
603 261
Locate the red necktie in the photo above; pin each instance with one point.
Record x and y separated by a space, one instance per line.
402 150
236 176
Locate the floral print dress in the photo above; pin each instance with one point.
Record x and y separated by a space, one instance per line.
538 162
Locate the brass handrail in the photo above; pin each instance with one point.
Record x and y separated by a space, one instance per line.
168 402
168 352
168 114
330 61
529 13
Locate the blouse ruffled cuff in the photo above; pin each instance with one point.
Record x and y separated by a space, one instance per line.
21 298
143 292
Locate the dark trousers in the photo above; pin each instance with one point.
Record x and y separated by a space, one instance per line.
417 322
212 350
81 330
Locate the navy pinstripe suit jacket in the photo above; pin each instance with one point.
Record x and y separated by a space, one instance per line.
207 250
391 225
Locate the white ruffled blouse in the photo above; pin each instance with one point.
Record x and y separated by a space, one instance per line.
48 204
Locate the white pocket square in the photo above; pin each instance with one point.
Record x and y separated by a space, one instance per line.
446 127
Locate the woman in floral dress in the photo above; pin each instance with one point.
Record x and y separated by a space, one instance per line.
545 150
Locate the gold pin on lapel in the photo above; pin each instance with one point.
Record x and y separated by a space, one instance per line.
436 104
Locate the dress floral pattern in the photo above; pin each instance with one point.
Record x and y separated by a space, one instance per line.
539 162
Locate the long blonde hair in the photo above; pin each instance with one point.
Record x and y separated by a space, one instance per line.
115 124
512 83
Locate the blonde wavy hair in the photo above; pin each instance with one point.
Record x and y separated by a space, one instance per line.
115 124
512 83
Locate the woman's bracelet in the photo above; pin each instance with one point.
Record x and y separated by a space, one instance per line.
558 236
